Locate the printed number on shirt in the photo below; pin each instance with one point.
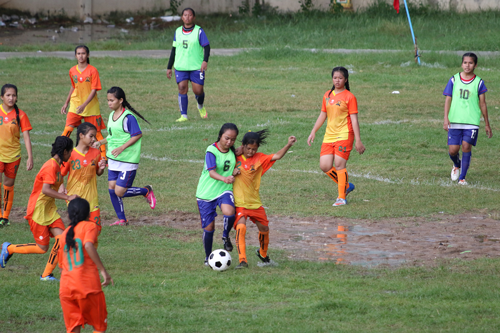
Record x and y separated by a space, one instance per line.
464 93
75 165
75 262
1 120
473 134
97 220
227 165
185 44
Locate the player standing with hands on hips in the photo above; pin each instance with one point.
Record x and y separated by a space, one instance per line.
340 109
189 57
465 103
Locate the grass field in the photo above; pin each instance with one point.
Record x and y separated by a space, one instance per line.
161 285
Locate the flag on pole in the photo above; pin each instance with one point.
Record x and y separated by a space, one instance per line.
396 5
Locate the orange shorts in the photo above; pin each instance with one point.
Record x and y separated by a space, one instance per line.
41 233
75 120
89 310
10 169
255 215
340 148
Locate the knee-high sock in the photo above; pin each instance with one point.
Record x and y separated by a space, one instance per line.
332 173
343 183
208 240
67 131
183 104
264 243
200 99
25 248
241 245
465 164
135 191
52 262
228 225
102 148
456 160
8 199
117 205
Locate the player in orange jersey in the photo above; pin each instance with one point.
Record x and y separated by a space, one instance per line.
340 109
252 166
80 291
42 214
12 122
85 83
83 166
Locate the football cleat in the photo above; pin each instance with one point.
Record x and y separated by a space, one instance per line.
203 113
228 246
49 277
120 222
242 264
150 197
462 182
340 202
4 256
455 173
181 119
350 189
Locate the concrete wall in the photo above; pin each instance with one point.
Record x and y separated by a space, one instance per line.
82 8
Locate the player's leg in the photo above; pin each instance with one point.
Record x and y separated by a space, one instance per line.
9 179
72 120
259 217
342 176
197 81
454 142
208 213
146 192
56 229
241 230
94 311
182 79
73 318
469 140
118 184
226 204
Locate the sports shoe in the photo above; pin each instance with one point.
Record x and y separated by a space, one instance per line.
49 277
349 189
120 222
455 173
266 262
5 256
462 182
181 119
228 246
266 259
206 263
203 113
340 202
242 264
4 222
150 197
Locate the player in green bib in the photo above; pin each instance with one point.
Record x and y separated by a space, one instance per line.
124 153
215 187
464 105
189 58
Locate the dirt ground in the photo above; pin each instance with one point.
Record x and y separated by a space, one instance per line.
392 242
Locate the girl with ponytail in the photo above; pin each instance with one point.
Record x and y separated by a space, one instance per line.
42 216
13 121
80 290
124 153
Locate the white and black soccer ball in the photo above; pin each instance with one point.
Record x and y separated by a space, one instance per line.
219 260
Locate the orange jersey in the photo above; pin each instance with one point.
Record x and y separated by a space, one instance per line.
338 109
79 275
10 147
42 208
84 82
82 179
247 184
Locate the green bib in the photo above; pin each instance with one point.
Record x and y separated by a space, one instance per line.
117 137
188 51
465 102
209 188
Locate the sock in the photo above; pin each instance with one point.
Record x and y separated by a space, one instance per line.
8 199
200 99
228 225
135 191
332 173
183 104
241 245
208 240
456 160
67 131
117 205
465 164
52 262
25 248
342 177
1 215
102 148
264 243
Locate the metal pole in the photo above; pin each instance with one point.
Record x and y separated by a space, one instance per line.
412 34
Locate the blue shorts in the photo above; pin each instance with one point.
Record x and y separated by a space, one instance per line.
197 77
208 208
456 136
123 178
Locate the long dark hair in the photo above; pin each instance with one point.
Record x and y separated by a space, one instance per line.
258 138
4 90
226 127
61 144
78 210
84 128
120 94
468 54
345 73
86 49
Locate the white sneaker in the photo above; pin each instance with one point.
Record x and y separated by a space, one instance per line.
462 182
340 202
455 173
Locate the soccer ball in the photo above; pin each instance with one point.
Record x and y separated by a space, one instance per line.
219 260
